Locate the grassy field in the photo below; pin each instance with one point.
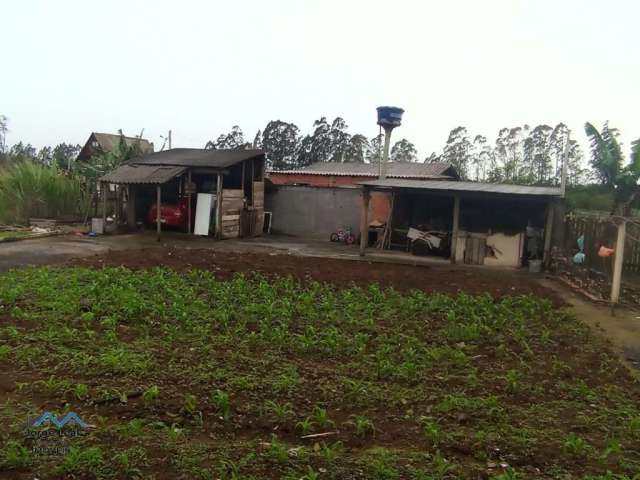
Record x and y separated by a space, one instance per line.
183 376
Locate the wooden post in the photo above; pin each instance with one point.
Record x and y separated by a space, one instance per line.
387 227
454 228
548 226
219 207
104 187
131 206
618 262
189 202
364 222
158 207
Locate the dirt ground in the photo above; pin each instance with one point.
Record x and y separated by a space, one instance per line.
433 278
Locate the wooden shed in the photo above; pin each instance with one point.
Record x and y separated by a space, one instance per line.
470 222
234 178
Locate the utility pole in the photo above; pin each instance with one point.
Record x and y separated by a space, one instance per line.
169 139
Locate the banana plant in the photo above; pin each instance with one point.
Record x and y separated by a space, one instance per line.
608 160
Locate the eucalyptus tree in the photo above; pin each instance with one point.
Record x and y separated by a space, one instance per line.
403 151
281 141
458 149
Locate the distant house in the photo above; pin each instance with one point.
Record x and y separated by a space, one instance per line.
330 174
105 142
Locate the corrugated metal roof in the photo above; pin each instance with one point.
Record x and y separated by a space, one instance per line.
394 170
197 157
126 174
475 187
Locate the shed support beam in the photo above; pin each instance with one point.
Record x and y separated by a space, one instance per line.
104 191
618 263
189 202
131 206
548 226
364 221
455 227
158 207
219 207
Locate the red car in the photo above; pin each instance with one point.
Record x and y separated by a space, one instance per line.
171 215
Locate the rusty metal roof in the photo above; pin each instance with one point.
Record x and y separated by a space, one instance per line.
154 174
465 187
197 157
394 170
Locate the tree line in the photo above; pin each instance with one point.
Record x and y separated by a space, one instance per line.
287 148
62 155
520 154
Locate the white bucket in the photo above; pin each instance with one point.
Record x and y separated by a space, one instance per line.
535 266
97 225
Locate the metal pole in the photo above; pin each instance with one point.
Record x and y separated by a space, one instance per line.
169 139
385 156
158 206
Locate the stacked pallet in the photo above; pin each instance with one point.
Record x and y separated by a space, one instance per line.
232 205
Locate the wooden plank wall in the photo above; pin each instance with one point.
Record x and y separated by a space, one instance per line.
231 209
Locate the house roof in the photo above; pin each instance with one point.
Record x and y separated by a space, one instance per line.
108 141
155 174
468 187
197 157
394 170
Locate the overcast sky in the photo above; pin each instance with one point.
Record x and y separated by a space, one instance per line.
200 67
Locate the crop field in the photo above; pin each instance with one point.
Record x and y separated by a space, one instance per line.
189 375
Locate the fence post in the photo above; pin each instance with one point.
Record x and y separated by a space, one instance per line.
618 262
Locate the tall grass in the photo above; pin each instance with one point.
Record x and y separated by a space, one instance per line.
29 189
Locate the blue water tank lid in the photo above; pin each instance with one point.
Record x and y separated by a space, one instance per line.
389 116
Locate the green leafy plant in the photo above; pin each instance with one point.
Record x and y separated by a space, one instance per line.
330 452
513 379
320 417
431 430
15 455
222 403
278 451
281 412
151 395
575 445
363 425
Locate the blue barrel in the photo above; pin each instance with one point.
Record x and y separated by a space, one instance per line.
389 116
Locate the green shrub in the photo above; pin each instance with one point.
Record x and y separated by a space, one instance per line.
28 189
